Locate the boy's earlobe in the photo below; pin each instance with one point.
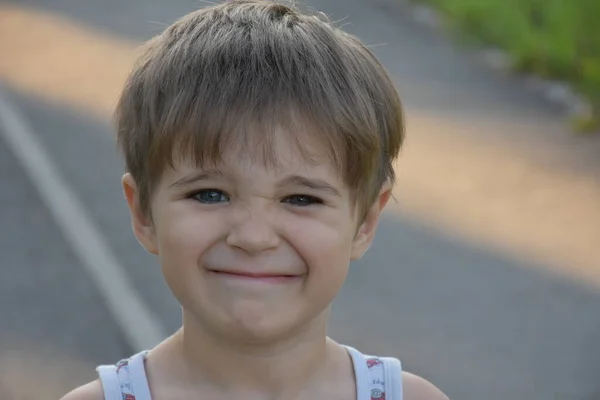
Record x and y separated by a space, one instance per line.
366 233
142 225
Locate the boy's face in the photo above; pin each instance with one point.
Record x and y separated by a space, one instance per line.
250 251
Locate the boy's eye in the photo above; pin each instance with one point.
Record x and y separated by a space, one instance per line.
210 196
302 200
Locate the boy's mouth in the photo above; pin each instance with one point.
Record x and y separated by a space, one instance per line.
264 277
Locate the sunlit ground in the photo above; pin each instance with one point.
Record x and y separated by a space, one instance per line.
483 194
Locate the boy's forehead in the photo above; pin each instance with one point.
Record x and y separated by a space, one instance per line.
233 163
275 153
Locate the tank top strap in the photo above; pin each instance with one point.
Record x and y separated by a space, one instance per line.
361 374
377 378
125 380
392 377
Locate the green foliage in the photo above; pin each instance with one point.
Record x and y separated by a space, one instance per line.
553 38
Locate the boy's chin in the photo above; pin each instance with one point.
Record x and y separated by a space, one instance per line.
269 329
253 323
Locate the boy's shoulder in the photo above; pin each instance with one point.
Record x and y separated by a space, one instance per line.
416 388
90 391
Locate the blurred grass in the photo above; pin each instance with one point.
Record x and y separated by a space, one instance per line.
557 39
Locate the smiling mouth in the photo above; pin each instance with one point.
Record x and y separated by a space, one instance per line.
255 277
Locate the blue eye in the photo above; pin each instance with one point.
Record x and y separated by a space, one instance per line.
302 200
210 196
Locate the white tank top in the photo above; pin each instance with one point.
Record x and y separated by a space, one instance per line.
377 378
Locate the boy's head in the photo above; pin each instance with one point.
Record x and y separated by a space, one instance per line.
230 74
259 143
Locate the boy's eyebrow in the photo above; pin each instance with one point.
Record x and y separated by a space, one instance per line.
297 180
311 183
195 177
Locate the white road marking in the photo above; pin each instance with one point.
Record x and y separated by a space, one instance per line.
138 323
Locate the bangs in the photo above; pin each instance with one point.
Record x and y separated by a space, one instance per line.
250 132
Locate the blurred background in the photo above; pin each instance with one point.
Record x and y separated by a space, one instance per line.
485 274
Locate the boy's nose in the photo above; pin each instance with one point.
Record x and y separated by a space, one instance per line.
253 233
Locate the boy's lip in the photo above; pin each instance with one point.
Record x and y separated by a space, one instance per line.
255 276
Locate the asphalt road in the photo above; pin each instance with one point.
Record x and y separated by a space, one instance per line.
487 303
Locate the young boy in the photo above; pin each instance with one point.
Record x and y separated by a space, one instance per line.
259 144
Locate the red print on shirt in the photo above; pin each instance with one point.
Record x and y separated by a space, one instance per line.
121 364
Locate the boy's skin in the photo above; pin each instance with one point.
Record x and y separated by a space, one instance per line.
291 230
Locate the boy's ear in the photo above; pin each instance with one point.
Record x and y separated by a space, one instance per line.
366 232
143 228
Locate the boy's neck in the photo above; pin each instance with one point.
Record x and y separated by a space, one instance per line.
275 370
